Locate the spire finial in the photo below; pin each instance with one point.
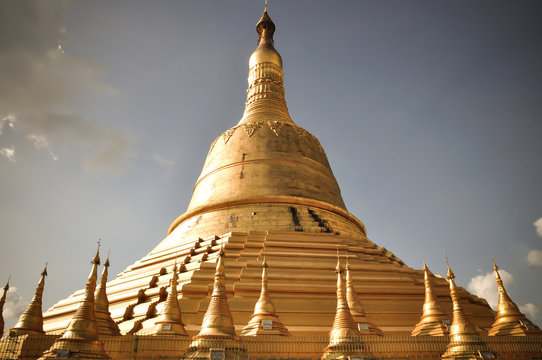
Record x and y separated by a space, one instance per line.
44 272
106 263
6 288
96 259
449 274
265 6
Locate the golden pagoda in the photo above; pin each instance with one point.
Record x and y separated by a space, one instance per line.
267 191
2 302
509 320
31 320
217 335
365 326
344 337
170 322
264 320
106 325
81 337
433 319
465 342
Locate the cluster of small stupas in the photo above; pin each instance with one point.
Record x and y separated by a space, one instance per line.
261 238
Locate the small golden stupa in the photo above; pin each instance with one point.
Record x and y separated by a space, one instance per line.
432 321
264 320
81 337
31 320
217 334
365 326
509 320
465 342
106 325
169 322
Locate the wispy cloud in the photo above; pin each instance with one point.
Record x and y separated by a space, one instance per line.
163 161
485 286
534 258
8 153
531 310
43 86
41 143
14 305
538 226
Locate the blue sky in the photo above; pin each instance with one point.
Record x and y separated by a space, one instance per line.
429 113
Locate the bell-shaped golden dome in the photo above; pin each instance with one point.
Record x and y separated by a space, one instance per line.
266 167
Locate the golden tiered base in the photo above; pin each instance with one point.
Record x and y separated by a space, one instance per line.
301 284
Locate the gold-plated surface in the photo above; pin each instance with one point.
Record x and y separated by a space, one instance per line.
265 160
106 325
365 325
170 322
465 341
509 320
344 337
31 320
2 302
264 320
218 320
432 320
217 330
81 337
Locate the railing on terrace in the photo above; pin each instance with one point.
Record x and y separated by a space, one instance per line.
133 347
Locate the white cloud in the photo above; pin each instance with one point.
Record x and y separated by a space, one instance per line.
163 161
485 286
43 86
14 305
41 143
531 310
9 120
534 258
8 153
538 225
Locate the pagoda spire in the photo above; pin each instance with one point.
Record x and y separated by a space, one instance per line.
465 342
106 325
344 337
365 326
264 320
432 319
217 329
31 320
81 337
509 320
2 302
170 322
265 94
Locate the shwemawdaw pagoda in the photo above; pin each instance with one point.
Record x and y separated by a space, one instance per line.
267 263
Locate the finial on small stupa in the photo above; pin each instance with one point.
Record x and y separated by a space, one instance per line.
31 320
432 319
509 320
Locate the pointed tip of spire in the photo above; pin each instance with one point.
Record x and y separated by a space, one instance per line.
495 267
44 272
6 287
449 274
265 26
338 268
264 263
96 259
